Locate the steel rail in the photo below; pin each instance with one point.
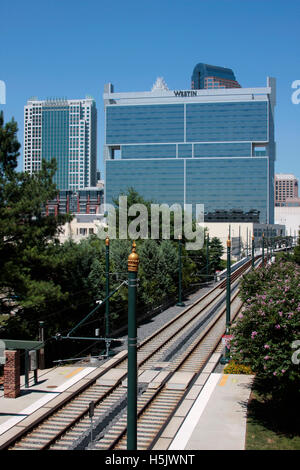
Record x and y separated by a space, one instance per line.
146 407
116 363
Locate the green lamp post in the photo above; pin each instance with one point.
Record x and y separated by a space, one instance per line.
107 287
180 303
207 256
252 259
225 359
228 286
133 262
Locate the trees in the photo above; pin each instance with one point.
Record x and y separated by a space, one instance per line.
60 283
26 235
215 253
157 271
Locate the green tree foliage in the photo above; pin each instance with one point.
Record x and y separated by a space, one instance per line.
133 197
60 283
163 227
158 268
216 251
26 234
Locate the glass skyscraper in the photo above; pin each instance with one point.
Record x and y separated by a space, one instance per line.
67 131
212 76
209 146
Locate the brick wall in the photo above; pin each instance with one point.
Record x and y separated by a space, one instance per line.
12 374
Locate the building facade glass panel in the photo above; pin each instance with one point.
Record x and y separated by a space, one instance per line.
55 141
212 122
228 184
143 124
185 150
164 178
148 151
222 150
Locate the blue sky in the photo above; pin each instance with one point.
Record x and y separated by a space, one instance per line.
63 48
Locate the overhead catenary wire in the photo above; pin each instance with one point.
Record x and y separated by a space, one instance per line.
96 308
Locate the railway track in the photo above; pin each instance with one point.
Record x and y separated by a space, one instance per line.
183 345
156 407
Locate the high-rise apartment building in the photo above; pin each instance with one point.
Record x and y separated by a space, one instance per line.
286 187
67 131
211 76
213 147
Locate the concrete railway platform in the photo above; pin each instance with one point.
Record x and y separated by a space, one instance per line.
212 415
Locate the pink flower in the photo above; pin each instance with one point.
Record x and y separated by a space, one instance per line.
253 334
266 346
283 371
275 373
277 327
266 358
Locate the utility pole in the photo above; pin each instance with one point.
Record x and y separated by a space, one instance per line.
42 350
180 303
228 286
252 260
26 371
263 249
225 360
133 262
107 287
207 256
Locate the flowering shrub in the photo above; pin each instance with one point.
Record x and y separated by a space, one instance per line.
235 368
268 325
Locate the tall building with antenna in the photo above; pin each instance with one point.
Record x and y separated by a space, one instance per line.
67 131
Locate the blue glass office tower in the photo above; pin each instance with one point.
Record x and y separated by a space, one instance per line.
210 146
212 76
